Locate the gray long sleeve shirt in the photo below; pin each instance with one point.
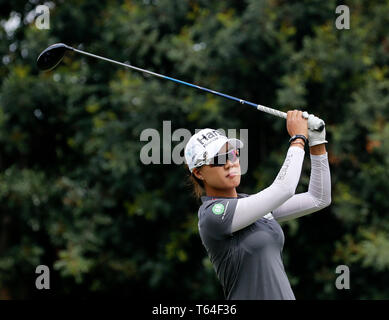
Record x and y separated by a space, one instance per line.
246 251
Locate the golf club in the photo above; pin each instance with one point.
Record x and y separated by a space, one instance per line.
52 56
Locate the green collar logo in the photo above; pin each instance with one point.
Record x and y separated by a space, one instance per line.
218 208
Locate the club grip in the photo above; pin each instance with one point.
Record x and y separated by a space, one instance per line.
313 124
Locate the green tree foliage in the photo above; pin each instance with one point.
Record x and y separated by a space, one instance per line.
75 196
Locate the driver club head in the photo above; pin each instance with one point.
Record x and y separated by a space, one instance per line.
52 56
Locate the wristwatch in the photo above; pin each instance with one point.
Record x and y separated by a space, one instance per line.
298 136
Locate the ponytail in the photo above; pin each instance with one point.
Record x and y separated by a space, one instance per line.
197 185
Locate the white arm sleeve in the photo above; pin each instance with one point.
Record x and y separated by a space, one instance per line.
250 209
317 197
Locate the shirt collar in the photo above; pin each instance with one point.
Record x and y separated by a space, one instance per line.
207 198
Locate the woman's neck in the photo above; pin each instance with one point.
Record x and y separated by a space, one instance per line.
225 193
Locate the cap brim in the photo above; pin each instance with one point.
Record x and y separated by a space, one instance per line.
235 143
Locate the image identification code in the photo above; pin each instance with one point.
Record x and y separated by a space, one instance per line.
199 309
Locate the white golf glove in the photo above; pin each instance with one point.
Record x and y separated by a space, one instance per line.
314 123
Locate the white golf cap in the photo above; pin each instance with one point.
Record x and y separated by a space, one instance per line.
204 145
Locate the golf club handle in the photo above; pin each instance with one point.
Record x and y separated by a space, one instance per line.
284 115
274 112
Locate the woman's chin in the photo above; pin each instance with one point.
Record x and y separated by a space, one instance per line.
235 182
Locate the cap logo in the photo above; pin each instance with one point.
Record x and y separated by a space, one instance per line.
205 139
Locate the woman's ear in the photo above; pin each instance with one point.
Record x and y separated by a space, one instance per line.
197 174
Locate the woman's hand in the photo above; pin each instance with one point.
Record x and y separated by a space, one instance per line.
296 124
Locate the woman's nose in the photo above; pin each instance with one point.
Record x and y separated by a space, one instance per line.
231 164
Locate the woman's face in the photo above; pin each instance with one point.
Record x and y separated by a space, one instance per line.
220 177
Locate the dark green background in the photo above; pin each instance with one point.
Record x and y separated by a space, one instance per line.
75 196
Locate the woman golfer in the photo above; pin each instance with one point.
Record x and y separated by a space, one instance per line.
241 233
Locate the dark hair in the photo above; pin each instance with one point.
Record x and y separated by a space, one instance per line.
197 185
